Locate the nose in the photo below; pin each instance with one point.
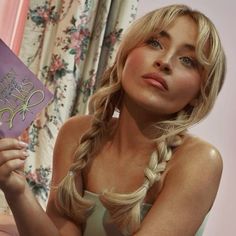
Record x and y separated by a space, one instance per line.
165 67
163 63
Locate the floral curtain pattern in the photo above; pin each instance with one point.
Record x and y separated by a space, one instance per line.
67 44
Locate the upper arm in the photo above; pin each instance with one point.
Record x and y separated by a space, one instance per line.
65 146
188 193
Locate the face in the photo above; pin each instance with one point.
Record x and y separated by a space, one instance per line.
163 75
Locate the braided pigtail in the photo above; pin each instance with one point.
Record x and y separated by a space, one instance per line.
125 209
103 104
69 199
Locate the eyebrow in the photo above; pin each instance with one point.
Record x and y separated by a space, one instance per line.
164 34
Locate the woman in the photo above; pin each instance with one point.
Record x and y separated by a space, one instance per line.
141 173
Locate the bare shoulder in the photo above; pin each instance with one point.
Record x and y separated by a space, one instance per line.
66 144
198 168
190 186
63 155
200 154
75 126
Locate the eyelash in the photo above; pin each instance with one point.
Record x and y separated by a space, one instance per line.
190 63
154 43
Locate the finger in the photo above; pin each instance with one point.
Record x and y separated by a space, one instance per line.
8 155
10 143
8 167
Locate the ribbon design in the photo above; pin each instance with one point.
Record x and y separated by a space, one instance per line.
23 108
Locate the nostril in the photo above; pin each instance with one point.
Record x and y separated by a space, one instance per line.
163 64
158 63
166 68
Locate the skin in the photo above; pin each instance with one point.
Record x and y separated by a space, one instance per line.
188 186
171 55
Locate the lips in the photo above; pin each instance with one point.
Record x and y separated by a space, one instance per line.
156 80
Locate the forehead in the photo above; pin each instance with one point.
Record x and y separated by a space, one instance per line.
183 30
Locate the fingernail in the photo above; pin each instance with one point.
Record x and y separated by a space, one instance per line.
23 145
26 154
21 162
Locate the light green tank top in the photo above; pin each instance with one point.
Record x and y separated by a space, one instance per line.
97 223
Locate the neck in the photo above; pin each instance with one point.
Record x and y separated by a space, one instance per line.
132 135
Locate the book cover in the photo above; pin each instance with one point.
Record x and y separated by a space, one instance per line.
22 94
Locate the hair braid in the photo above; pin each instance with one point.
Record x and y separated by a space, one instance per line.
125 209
69 200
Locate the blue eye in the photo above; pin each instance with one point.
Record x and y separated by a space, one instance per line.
154 43
189 62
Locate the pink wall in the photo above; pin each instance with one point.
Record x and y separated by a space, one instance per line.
12 20
219 128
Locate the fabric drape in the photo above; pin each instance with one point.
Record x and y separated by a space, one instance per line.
67 44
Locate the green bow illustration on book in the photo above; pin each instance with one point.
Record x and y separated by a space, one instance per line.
23 108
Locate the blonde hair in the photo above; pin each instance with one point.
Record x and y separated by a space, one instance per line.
125 208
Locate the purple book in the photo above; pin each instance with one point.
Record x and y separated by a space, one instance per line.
22 95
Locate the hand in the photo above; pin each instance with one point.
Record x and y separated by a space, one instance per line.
12 158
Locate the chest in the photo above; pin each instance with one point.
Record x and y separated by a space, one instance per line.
121 176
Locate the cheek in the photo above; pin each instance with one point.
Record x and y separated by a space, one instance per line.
137 62
189 84
133 62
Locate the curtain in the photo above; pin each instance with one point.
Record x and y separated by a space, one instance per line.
67 44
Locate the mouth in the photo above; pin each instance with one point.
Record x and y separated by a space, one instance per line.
156 80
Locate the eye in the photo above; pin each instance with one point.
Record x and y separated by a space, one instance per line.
189 62
155 43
